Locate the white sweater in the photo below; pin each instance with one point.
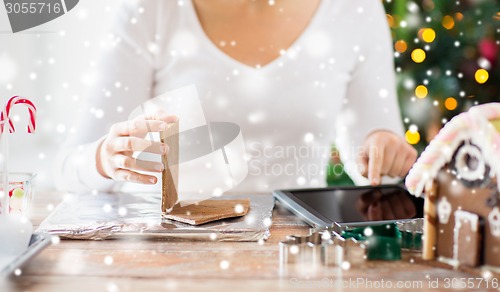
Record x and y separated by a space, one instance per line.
335 84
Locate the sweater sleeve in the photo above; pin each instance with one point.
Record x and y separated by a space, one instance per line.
124 79
371 102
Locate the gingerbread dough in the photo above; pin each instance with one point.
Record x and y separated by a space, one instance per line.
170 175
208 211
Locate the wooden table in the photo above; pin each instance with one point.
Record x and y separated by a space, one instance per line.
147 265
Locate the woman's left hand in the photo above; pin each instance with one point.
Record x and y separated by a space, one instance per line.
385 153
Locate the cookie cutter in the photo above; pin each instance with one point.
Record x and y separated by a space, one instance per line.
327 247
321 248
412 233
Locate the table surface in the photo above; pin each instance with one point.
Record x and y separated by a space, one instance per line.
148 265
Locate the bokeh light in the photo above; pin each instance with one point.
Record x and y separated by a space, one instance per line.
481 76
421 91
418 55
428 35
412 137
390 20
448 22
450 103
400 46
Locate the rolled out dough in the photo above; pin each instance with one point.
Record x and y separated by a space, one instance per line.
208 211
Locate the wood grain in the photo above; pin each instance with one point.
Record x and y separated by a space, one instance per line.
170 175
163 265
208 211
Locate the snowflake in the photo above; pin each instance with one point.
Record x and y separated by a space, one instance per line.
383 93
345 265
112 287
82 14
108 260
122 211
412 7
55 239
309 137
267 222
224 265
294 249
301 180
106 208
239 209
217 192
61 128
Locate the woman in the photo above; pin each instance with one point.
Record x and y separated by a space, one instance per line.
287 72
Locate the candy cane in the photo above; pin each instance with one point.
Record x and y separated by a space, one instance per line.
4 116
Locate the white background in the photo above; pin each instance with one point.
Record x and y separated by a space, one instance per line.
49 64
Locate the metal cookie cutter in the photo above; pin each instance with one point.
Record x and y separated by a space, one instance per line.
412 232
323 247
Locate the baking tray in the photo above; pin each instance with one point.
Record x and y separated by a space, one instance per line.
38 242
117 215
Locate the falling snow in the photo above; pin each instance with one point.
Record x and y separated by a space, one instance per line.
224 265
108 260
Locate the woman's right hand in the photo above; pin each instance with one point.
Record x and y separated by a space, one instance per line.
114 155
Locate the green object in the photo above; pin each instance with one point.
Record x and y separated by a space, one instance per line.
335 174
411 240
383 242
18 193
452 58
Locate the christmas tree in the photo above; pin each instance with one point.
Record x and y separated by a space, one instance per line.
446 55
447 60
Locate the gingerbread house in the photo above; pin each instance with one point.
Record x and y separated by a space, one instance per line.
458 173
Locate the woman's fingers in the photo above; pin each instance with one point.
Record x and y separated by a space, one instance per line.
131 144
386 154
141 125
130 163
390 156
397 166
375 160
137 127
114 155
132 176
409 161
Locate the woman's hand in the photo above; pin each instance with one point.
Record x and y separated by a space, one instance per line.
385 153
114 155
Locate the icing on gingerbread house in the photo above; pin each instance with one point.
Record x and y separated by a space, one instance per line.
459 175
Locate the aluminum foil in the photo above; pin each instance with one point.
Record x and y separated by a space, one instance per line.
121 215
